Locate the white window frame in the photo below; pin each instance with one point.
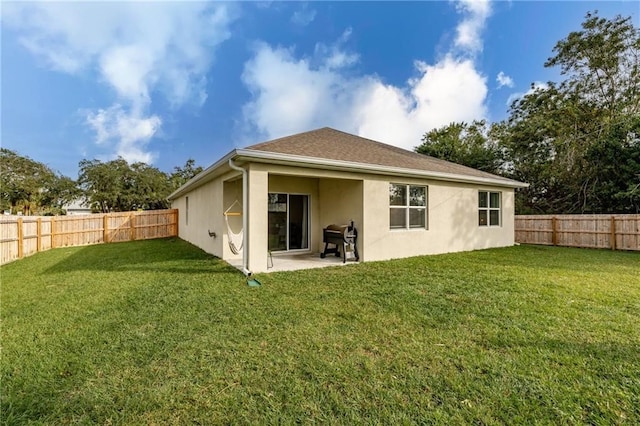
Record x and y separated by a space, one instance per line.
489 208
408 207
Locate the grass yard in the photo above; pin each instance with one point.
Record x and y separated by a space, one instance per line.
158 332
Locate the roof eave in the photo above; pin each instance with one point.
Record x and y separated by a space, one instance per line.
202 177
338 165
341 165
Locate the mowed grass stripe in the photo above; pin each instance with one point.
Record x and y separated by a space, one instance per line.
160 332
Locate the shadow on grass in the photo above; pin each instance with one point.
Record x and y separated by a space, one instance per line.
557 258
622 356
169 255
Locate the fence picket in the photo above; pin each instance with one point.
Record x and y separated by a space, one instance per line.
617 232
68 231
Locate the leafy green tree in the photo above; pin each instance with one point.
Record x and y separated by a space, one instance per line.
31 186
64 190
602 65
471 145
102 183
150 187
118 186
616 157
568 139
182 175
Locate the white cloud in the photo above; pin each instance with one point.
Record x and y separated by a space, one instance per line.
138 49
129 132
303 16
504 80
469 30
334 56
537 85
292 94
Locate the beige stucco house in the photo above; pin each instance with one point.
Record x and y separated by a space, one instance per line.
276 197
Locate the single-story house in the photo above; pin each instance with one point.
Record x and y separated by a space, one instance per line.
276 197
77 207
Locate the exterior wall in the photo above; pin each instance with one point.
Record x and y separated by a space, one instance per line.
337 197
452 221
205 213
341 200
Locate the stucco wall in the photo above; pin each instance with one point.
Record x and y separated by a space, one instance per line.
452 221
199 217
341 201
336 197
205 213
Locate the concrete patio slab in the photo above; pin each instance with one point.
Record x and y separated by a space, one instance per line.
294 262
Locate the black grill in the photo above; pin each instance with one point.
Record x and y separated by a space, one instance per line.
340 237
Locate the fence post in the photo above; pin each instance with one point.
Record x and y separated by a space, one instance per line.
39 235
53 232
132 225
105 228
20 238
554 231
613 233
176 218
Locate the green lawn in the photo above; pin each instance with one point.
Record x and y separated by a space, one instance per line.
159 332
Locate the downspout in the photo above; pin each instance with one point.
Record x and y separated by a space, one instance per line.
245 234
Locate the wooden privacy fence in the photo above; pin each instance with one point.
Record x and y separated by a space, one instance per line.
616 232
24 235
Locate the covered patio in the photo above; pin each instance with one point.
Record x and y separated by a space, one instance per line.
287 210
295 262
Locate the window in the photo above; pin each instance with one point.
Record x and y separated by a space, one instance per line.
489 211
407 206
186 214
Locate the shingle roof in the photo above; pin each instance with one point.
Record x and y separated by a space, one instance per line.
330 144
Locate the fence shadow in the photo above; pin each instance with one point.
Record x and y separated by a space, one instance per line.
23 236
163 255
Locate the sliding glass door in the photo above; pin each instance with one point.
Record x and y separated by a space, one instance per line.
288 222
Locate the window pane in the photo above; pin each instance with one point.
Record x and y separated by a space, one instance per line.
417 218
398 218
397 195
482 217
494 217
495 200
277 202
417 196
482 199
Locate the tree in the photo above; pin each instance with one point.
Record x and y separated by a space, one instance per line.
563 137
31 186
150 187
602 65
63 191
616 157
118 186
467 144
181 175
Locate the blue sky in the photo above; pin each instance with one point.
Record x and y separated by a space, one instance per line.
162 82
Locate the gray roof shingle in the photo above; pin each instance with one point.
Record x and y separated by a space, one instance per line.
330 144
